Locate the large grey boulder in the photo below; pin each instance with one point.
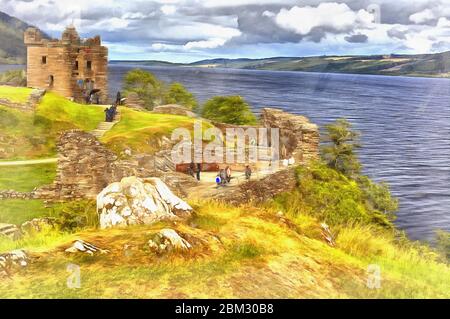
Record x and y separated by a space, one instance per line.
135 201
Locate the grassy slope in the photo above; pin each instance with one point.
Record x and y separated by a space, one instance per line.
33 135
244 252
17 211
15 94
26 178
140 131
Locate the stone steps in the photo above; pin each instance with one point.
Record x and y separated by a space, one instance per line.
104 127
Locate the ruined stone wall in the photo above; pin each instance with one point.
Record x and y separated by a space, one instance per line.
85 167
298 136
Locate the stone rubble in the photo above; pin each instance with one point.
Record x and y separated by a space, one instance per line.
168 240
15 258
80 246
10 231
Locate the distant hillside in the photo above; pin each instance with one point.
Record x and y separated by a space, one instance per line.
427 65
12 49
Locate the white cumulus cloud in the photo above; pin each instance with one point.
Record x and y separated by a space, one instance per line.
332 15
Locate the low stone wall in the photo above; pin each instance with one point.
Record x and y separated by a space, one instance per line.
35 97
258 191
11 194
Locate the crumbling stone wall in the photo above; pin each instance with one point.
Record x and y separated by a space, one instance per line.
298 136
85 167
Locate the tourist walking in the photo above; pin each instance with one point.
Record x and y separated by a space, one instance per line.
118 98
199 169
228 174
191 169
223 176
248 172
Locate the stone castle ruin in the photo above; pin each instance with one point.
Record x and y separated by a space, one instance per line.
71 66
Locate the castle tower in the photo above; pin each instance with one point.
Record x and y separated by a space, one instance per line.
71 66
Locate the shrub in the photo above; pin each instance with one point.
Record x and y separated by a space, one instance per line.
146 85
178 94
228 109
77 215
14 78
443 244
339 150
333 198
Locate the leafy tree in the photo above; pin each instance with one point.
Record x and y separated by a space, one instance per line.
146 85
228 109
178 94
378 198
340 151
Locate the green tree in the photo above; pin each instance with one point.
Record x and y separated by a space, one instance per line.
340 149
228 109
178 94
146 85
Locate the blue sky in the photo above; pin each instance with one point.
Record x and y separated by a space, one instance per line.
190 30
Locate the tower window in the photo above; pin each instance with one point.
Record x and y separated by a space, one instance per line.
44 59
89 65
75 67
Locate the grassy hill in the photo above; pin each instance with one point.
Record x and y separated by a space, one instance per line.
33 135
426 65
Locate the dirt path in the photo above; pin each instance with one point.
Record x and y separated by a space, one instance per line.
207 186
29 162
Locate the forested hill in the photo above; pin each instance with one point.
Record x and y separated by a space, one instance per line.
429 65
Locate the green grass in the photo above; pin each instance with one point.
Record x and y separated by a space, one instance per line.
18 211
140 131
15 94
58 109
27 135
26 178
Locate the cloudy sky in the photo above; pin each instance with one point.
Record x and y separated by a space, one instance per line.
189 30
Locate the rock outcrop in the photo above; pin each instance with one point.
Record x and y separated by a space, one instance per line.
139 201
167 240
15 258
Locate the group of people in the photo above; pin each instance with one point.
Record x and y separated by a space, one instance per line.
224 176
110 113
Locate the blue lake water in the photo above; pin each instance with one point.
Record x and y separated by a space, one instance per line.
405 125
